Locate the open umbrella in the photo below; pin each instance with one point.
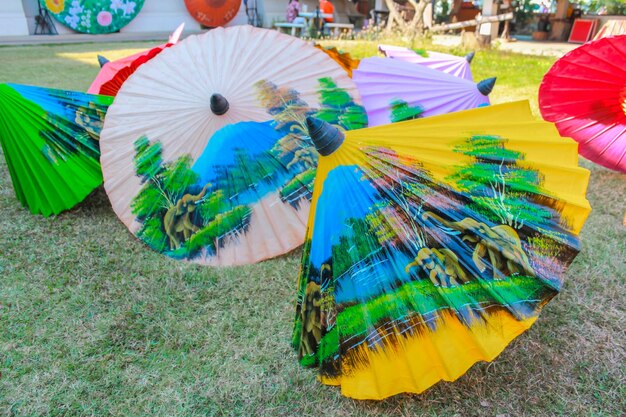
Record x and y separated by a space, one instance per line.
213 13
584 94
432 244
113 73
214 165
50 142
94 16
450 64
395 90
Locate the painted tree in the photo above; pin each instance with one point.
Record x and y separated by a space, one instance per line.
78 136
337 107
354 246
289 112
401 111
285 105
499 187
164 184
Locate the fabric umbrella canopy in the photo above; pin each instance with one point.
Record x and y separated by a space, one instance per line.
450 64
394 91
213 165
584 93
432 244
213 13
50 143
344 59
94 16
113 73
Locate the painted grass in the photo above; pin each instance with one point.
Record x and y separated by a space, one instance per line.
424 298
94 323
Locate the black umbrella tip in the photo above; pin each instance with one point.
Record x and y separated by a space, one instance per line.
102 60
326 137
219 104
469 57
485 86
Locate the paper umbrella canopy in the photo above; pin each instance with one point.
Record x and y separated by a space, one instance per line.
394 91
450 64
50 142
584 93
432 244
214 165
112 74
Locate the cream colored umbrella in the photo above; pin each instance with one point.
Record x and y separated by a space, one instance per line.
204 151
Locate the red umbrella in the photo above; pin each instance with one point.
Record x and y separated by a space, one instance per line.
213 13
113 73
584 93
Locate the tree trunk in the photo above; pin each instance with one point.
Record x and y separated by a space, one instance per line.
560 23
418 19
394 16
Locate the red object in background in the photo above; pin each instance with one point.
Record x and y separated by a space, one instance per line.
582 29
327 7
213 13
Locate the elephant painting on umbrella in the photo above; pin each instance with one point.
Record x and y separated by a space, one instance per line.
177 220
442 266
500 243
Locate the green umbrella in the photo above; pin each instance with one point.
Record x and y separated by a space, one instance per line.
50 142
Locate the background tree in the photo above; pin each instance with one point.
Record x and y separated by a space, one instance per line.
415 25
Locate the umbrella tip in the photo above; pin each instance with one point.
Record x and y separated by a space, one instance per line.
102 60
326 137
469 57
485 86
219 104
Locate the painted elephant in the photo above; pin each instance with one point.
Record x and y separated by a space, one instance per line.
442 266
500 244
177 220
311 316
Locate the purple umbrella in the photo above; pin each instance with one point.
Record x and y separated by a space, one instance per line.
458 66
393 91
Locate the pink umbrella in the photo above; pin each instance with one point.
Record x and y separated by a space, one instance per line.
393 91
109 69
584 94
450 64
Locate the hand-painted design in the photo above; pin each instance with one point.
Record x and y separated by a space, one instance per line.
189 209
173 208
499 185
94 16
295 148
338 108
408 253
401 111
89 117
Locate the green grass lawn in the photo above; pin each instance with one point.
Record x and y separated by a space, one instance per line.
94 323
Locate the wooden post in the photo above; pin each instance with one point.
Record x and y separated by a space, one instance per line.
488 31
560 24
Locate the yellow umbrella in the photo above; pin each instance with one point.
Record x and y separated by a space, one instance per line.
433 243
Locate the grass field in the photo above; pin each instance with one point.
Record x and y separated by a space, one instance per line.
94 323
